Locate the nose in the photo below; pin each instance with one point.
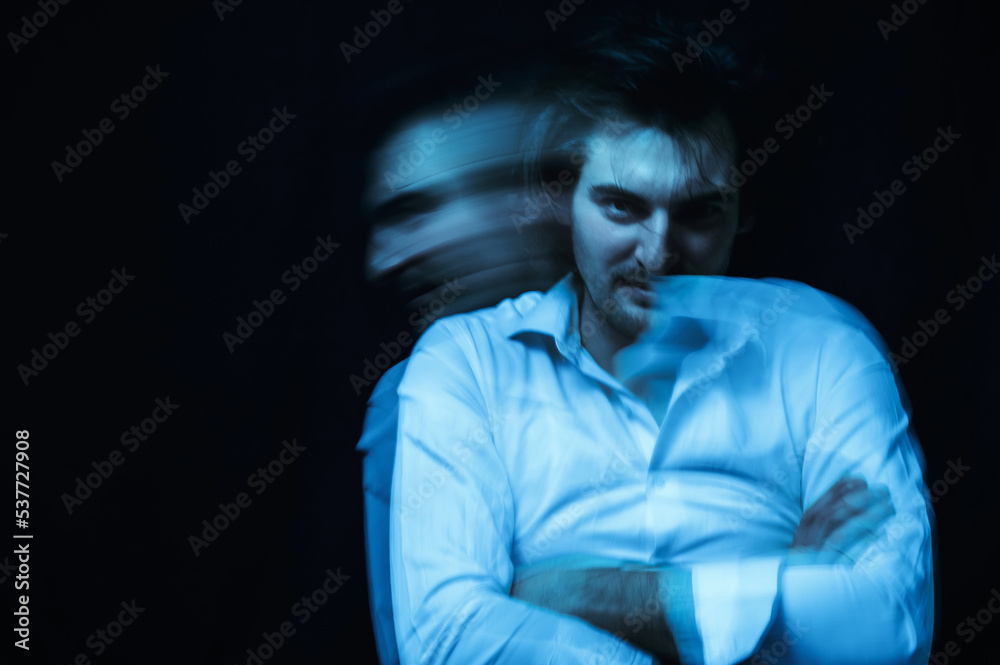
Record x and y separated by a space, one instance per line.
656 251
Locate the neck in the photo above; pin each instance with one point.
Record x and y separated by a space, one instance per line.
601 340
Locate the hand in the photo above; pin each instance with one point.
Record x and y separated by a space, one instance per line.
841 524
541 588
620 597
557 584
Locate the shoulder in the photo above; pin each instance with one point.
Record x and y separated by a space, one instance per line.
821 330
465 342
491 325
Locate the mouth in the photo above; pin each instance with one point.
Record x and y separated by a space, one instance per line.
636 284
640 292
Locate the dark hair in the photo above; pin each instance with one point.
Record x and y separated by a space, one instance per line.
646 70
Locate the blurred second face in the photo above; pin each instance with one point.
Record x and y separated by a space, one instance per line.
441 197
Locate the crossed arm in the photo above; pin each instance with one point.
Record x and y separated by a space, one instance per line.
652 606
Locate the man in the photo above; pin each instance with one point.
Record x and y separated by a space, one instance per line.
442 187
647 461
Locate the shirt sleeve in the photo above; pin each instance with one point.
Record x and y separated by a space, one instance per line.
378 445
878 610
451 530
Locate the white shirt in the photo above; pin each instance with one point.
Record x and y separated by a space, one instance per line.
514 446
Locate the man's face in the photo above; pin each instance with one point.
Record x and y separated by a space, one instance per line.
650 204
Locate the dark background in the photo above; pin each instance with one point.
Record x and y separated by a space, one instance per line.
163 335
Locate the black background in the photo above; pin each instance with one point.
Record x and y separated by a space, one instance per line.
163 335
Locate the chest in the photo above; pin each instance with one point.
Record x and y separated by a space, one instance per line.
591 470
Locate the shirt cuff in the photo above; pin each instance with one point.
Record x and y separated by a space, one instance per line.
734 604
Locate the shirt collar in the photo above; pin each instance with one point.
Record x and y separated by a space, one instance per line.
556 315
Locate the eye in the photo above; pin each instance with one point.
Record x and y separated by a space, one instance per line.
621 210
415 208
699 213
409 210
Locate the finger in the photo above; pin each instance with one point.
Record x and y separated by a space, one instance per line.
858 499
809 529
830 510
854 537
861 528
857 550
875 514
830 517
851 506
833 496
843 485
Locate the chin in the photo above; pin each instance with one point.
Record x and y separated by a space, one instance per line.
629 320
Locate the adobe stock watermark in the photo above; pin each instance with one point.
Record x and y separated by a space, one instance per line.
293 277
23 612
37 21
420 320
122 106
636 619
904 520
562 12
621 464
303 610
463 449
131 439
427 145
766 490
104 637
955 472
223 7
752 328
958 297
897 528
6 570
969 628
88 310
786 126
260 480
249 149
901 13
554 189
445 640
383 17
779 648
713 30
914 167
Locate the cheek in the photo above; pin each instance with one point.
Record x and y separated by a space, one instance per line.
707 251
596 240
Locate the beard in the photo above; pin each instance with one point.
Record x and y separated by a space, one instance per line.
614 307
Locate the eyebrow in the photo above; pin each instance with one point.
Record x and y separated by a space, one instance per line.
615 190
393 206
477 182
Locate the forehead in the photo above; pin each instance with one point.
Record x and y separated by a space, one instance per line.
653 163
444 150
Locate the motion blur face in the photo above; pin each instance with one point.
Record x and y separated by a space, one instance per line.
650 204
441 197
